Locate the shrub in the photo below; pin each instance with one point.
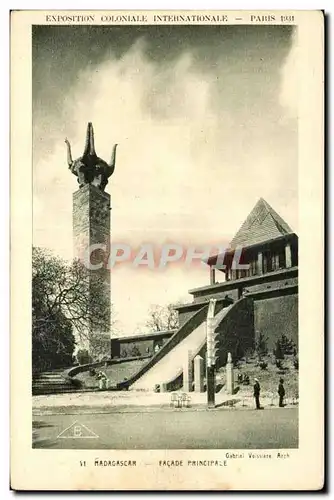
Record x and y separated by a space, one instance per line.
278 351
287 345
279 364
263 365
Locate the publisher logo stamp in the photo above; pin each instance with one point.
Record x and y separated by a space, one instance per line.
77 431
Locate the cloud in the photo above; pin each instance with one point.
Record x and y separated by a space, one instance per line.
192 161
289 84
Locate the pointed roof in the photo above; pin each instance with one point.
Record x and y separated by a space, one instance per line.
261 225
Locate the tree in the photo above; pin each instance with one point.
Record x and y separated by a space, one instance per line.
162 318
53 341
61 304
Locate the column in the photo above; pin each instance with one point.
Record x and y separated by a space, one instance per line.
211 386
212 275
229 375
188 373
199 374
288 260
260 263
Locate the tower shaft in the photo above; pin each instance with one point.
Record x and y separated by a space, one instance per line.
91 239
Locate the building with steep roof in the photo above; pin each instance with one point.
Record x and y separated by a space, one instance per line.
261 263
255 284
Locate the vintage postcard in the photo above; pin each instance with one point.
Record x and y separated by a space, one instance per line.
167 209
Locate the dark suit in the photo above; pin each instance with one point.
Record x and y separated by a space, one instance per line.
281 393
257 390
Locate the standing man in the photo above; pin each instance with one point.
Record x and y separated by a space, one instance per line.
281 392
257 390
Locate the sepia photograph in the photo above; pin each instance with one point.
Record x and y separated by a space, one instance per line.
156 150
169 190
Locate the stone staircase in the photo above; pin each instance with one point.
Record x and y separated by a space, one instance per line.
51 383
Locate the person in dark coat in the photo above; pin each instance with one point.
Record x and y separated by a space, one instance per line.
281 392
257 390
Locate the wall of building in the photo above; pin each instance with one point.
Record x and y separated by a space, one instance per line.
137 348
126 348
185 315
276 316
236 331
270 285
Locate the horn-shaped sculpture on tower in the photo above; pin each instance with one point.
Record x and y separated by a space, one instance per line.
89 168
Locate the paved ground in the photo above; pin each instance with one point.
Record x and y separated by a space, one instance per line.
174 429
114 400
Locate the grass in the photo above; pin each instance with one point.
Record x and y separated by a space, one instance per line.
115 373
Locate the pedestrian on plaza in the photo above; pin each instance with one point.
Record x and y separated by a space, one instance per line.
257 390
281 392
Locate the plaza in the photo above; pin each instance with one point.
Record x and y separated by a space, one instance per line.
162 429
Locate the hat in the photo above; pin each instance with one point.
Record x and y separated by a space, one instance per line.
256 380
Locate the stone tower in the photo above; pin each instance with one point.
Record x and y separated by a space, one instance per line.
91 238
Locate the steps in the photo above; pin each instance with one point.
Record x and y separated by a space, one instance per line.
51 383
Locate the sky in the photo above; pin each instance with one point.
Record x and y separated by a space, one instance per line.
206 122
